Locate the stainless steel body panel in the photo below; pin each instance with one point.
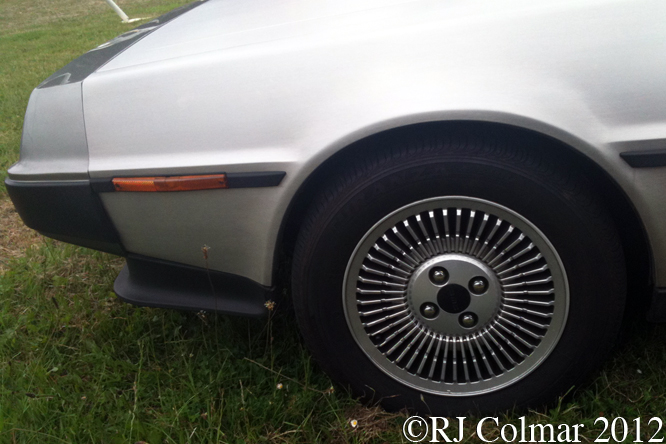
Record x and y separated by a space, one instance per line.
53 146
282 86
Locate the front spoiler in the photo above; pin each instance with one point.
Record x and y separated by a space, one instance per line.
71 211
156 283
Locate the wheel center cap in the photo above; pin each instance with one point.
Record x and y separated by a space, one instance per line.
467 299
453 298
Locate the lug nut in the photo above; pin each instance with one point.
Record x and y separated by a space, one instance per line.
468 320
438 276
429 311
478 285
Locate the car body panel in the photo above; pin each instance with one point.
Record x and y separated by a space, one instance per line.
53 145
227 24
287 96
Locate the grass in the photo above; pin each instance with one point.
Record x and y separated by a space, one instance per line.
78 366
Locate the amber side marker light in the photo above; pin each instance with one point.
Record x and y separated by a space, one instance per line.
170 183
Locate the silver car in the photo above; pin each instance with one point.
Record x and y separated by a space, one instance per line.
468 196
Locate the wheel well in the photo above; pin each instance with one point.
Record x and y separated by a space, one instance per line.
632 232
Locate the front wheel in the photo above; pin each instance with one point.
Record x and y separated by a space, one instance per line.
448 281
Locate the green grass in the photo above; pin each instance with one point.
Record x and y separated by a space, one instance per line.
77 365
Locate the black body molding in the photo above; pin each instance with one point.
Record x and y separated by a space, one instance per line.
643 153
645 159
255 180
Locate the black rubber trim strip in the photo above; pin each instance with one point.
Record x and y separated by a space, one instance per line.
234 180
255 180
153 282
65 210
645 159
81 67
102 185
657 310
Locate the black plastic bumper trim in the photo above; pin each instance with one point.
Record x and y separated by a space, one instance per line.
645 159
156 283
255 180
67 211
234 180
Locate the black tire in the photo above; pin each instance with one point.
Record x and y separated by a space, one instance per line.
511 172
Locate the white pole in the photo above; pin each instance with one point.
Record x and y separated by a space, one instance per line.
120 12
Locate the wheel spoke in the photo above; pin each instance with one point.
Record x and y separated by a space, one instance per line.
381 301
438 239
435 357
470 223
479 232
524 274
385 318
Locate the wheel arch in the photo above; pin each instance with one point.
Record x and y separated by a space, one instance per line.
637 250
